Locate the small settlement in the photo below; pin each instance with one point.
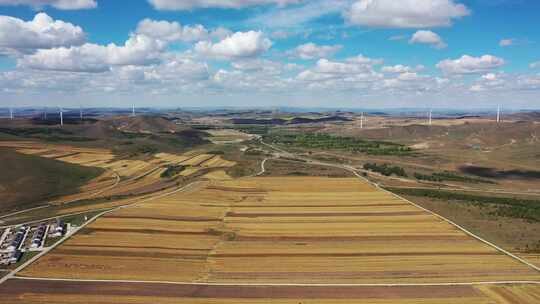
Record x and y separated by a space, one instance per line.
16 241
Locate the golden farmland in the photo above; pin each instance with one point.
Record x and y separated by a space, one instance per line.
273 240
278 230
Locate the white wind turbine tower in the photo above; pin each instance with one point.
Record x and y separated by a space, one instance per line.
11 113
362 120
133 111
498 114
61 116
81 112
430 117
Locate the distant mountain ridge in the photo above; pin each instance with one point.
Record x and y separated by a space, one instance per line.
293 121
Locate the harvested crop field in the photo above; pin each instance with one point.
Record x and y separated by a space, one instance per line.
287 239
278 230
64 292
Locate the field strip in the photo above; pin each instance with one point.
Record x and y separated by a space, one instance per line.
103 190
151 171
285 284
67 236
354 171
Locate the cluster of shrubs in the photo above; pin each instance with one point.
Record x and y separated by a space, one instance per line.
449 176
330 142
425 177
172 171
385 169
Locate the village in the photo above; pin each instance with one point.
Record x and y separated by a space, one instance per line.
16 241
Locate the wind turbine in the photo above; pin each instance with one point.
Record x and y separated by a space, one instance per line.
11 113
61 116
498 114
430 117
133 111
45 112
81 112
362 120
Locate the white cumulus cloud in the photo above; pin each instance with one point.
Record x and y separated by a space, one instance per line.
192 4
40 33
138 50
238 45
506 42
405 13
489 77
535 65
470 65
59 4
428 37
312 51
354 69
399 69
171 31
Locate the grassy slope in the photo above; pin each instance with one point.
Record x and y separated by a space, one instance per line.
30 180
513 234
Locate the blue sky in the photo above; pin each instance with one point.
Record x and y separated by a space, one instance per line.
347 53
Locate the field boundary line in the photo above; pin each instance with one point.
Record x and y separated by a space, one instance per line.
528 282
